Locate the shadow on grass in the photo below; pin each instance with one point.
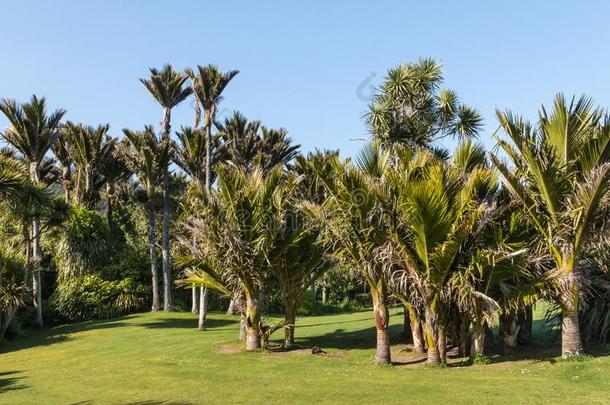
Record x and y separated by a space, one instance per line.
59 334
157 403
10 383
186 323
343 340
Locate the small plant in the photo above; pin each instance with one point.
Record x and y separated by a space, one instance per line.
480 358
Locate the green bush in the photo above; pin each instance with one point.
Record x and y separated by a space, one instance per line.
91 297
83 244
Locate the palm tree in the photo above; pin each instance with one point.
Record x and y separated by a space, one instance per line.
190 155
234 231
88 147
298 260
14 292
440 211
561 180
208 83
61 150
411 108
249 145
147 158
32 133
167 87
352 219
111 170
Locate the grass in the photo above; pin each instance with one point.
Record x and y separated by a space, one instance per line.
162 359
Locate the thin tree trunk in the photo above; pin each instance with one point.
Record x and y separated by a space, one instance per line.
231 308
243 327
431 335
203 308
36 255
323 293
464 338
290 316
253 318
152 242
194 308
382 318
509 332
416 329
6 323
525 320
209 118
109 193
167 276
442 343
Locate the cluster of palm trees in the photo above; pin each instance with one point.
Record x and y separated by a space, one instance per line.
458 239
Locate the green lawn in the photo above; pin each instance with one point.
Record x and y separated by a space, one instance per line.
161 358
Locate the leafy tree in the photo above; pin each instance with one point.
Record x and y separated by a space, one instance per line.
233 232
412 109
168 88
32 133
352 218
561 180
147 158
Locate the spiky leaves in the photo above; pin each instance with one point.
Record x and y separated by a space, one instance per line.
561 179
412 109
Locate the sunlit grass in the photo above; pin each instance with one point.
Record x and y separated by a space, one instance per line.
162 358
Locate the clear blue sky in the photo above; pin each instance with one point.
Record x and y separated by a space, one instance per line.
302 64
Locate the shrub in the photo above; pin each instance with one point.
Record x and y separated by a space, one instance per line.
83 244
91 297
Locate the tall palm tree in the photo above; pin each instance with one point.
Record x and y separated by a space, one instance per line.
89 147
190 155
298 260
147 158
208 83
352 219
235 230
32 133
562 182
112 170
440 210
61 150
168 88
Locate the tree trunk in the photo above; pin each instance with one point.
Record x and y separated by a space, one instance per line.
193 299
203 308
152 242
571 343
442 342
431 335
36 255
416 329
243 327
66 175
481 340
509 332
464 338
109 193
4 324
253 318
167 276
382 318
323 293
209 119
290 316
231 309
525 320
